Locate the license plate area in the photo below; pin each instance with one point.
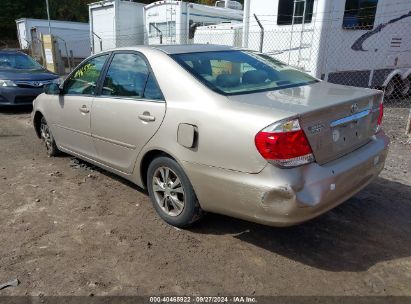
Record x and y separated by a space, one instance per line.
349 134
350 131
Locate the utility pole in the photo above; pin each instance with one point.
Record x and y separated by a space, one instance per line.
246 23
48 15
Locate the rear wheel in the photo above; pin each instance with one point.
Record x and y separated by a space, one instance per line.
171 193
48 139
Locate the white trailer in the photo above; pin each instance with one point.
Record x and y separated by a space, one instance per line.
354 42
174 22
230 33
74 35
116 23
229 4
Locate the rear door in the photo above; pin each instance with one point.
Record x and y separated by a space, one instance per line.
127 112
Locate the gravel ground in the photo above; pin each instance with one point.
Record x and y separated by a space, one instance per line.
70 229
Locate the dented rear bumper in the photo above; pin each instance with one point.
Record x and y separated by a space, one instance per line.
284 197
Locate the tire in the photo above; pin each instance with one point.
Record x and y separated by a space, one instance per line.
405 86
172 194
48 139
390 89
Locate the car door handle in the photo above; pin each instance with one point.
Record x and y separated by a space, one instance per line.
146 117
84 109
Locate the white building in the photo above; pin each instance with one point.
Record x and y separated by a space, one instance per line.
73 34
116 23
230 33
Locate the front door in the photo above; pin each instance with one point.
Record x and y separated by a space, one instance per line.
71 114
127 113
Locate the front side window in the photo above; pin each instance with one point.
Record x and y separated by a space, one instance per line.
286 12
129 76
359 14
241 72
84 80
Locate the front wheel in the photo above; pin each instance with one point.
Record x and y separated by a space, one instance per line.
172 194
48 139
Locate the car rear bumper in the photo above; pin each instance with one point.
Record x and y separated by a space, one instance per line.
14 96
284 197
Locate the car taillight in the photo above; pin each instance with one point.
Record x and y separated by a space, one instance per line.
381 113
284 144
380 116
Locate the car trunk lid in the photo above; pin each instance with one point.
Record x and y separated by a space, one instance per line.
336 119
340 129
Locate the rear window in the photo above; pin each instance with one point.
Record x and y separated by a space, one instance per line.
241 72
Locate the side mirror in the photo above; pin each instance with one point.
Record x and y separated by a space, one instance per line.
52 89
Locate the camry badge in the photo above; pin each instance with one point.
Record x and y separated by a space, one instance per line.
316 128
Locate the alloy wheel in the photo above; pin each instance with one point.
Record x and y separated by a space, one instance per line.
168 191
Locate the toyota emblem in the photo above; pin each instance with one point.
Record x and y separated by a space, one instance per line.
354 108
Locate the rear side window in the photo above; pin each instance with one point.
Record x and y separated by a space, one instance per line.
152 91
129 76
84 80
359 14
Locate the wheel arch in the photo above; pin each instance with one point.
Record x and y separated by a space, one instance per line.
148 157
36 122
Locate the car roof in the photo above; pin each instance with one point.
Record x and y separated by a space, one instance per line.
191 48
171 49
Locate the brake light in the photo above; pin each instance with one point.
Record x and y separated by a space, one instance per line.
381 113
380 116
284 144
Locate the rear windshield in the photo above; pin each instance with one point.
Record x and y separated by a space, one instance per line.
18 61
241 72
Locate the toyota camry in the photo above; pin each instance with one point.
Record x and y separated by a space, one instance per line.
208 128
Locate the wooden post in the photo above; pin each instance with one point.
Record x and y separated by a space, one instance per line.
61 65
72 60
50 57
408 129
